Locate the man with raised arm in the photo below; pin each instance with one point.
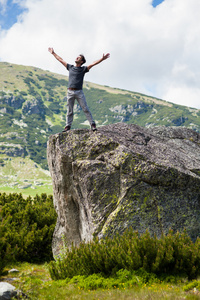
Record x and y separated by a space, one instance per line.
75 92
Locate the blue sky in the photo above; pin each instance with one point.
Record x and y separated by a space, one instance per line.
154 45
156 2
9 13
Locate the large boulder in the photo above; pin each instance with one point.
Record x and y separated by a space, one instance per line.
121 176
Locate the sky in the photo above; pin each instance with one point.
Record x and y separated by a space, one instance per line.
154 45
156 2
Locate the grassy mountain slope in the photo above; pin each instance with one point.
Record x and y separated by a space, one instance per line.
23 175
33 106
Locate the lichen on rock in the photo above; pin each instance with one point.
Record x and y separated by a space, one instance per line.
124 176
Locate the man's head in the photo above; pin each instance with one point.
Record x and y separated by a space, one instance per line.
80 60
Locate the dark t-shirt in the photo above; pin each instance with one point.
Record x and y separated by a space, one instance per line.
76 75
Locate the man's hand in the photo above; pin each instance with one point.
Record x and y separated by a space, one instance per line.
51 50
105 56
57 56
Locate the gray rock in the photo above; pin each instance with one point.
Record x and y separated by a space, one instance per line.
121 176
13 271
125 112
7 291
33 106
13 101
12 149
11 279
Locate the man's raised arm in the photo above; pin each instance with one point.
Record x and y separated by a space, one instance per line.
57 57
105 56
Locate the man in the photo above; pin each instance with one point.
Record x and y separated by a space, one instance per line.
75 92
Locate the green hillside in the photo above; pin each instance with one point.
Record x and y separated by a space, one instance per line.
23 175
33 106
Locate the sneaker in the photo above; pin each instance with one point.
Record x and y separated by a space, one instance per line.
93 127
67 128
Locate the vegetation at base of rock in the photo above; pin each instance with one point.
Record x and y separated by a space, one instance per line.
26 228
192 285
122 279
173 254
33 280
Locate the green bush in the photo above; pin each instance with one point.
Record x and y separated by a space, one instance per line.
26 228
173 254
5 250
192 285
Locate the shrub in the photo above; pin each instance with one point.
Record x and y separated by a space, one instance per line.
5 250
26 229
173 254
192 285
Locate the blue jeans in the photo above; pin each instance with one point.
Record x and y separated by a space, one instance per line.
80 97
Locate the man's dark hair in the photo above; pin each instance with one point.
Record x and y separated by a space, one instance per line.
83 58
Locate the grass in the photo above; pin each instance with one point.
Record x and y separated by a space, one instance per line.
22 175
34 280
46 189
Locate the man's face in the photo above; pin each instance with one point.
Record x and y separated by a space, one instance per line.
79 59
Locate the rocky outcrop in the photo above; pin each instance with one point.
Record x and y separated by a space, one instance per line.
34 106
179 121
12 149
121 176
125 112
13 101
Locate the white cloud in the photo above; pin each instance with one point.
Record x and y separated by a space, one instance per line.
3 4
153 50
